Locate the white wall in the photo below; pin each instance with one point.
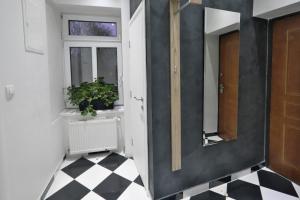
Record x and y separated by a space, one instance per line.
90 7
125 18
269 9
55 60
221 21
2 172
32 139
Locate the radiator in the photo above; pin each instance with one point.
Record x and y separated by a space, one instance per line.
93 135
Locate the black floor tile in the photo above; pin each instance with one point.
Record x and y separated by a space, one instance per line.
258 167
213 184
139 181
209 195
211 134
113 161
241 190
225 179
112 187
220 181
255 168
276 182
73 191
78 167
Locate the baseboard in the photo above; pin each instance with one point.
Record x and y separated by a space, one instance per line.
43 195
47 188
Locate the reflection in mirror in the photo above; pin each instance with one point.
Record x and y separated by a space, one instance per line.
221 76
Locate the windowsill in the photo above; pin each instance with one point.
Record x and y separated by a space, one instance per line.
73 112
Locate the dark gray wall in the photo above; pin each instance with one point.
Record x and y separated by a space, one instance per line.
134 4
199 164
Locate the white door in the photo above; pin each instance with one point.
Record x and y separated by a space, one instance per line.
138 100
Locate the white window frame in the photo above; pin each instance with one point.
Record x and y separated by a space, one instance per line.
67 37
94 46
92 42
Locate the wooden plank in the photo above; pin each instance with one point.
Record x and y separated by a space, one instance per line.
175 84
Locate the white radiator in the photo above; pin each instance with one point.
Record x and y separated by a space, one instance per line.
93 135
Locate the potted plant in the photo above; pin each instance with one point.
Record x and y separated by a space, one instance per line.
90 97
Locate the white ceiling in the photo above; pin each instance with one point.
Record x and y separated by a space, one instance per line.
89 7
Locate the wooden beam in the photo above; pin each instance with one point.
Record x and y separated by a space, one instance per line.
175 84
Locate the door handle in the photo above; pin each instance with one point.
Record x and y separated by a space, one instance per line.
221 88
139 99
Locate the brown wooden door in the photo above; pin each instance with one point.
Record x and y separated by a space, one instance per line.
284 149
228 85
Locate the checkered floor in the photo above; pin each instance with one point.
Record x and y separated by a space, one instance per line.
111 176
260 185
105 176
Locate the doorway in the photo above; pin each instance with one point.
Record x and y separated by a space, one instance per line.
284 135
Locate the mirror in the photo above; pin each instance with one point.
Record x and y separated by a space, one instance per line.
221 75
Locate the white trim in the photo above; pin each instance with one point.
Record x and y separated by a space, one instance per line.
95 63
68 37
94 46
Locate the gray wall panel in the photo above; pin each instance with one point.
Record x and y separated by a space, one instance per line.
201 164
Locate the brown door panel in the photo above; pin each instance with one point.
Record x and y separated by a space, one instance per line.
284 150
229 77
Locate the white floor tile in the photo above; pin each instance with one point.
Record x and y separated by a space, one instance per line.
127 170
134 191
92 196
222 189
297 188
61 179
267 169
97 157
122 153
228 198
93 177
268 194
251 178
215 138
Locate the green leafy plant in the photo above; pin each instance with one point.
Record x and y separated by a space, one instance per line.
88 93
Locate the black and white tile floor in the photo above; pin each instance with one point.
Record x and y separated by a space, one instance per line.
105 176
260 185
111 176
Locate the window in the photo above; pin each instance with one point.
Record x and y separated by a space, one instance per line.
90 28
81 65
107 65
85 28
89 54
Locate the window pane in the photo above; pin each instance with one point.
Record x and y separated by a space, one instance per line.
81 65
92 28
107 65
